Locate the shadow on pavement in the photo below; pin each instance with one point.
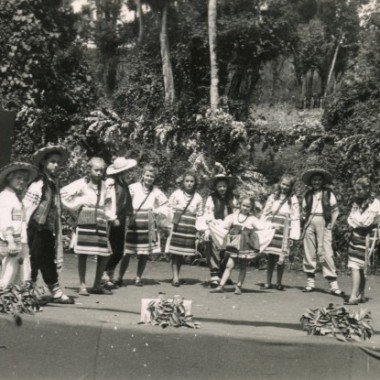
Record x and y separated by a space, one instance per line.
292 326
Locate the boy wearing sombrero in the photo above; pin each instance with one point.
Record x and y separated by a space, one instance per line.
119 210
320 211
43 214
14 252
219 204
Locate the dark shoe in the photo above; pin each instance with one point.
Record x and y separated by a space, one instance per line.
176 284
101 291
308 289
337 292
63 300
219 289
266 286
353 302
111 285
214 284
280 287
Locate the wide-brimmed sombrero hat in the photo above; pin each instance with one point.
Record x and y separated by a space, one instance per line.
121 164
221 177
43 152
308 174
7 169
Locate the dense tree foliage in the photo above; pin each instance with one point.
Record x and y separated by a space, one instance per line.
43 76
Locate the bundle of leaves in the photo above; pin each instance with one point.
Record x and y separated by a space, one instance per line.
170 312
18 300
340 322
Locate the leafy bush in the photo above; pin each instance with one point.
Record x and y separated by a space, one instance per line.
339 322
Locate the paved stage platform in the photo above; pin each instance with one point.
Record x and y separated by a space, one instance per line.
253 336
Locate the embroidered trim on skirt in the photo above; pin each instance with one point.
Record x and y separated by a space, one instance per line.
142 237
240 245
275 247
357 248
91 239
183 236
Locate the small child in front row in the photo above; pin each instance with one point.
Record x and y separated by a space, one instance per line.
241 249
14 252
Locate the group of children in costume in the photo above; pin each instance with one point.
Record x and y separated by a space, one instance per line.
116 218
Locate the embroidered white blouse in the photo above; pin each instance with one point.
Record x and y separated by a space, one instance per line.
291 211
179 200
249 222
12 216
80 193
155 201
371 215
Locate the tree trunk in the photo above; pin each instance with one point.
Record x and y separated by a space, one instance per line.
214 93
167 70
141 24
333 65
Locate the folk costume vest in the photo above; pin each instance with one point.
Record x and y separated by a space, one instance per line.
124 206
326 194
220 204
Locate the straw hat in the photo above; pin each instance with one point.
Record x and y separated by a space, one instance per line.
39 156
121 164
5 170
308 174
221 177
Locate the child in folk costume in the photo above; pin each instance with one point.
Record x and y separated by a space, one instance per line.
219 204
243 243
282 210
364 220
149 203
319 212
86 196
187 206
119 210
14 252
43 214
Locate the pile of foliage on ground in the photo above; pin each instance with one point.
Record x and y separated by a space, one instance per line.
170 312
16 300
340 322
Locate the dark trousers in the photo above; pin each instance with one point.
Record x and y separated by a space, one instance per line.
116 239
42 254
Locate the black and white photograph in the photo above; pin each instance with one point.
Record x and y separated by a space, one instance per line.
189 189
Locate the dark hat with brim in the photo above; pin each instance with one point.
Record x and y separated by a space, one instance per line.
310 173
221 177
39 156
6 170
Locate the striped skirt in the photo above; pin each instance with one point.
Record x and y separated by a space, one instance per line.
142 237
243 245
360 242
280 238
183 237
92 239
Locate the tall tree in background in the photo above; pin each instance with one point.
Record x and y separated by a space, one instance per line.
214 77
107 38
140 19
167 69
